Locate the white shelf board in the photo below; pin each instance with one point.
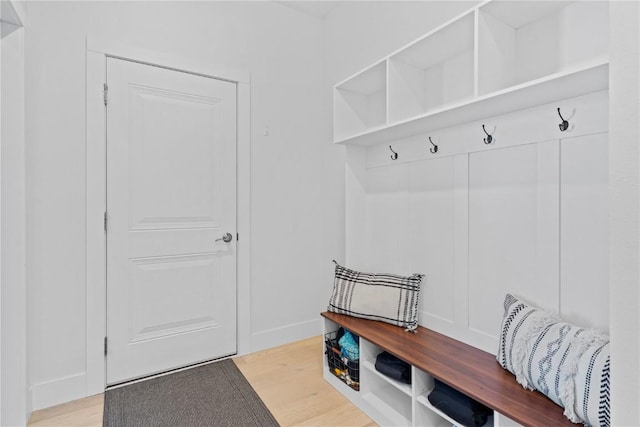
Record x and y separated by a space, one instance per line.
368 81
424 401
383 412
567 84
405 388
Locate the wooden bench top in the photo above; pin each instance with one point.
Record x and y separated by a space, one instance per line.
474 372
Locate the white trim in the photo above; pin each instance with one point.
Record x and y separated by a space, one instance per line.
97 52
244 217
171 61
95 250
285 334
60 390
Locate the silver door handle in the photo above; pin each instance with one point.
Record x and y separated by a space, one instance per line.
226 238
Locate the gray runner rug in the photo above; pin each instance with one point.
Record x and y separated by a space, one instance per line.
216 394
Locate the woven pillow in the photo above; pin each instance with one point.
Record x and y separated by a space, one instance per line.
385 297
568 364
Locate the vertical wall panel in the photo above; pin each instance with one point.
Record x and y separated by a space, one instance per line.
584 294
461 240
428 246
385 210
355 208
548 226
510 202
525 215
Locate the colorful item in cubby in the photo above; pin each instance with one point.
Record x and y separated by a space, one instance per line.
349 346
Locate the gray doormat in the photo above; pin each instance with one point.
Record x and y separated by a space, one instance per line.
216 394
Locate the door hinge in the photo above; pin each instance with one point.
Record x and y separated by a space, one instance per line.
105 346
237 236
105 91
105 221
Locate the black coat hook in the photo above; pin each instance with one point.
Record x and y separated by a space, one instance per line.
434 149
565 124
489 138
394 156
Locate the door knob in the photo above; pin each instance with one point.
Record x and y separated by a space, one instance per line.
226 238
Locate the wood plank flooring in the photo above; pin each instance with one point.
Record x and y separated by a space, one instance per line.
288 379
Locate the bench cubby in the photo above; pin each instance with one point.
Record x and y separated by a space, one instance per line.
471 371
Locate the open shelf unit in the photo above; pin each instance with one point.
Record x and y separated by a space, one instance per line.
432 72
498 57
360 103
385 400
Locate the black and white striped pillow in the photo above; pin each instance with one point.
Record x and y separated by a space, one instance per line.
568 364
385 297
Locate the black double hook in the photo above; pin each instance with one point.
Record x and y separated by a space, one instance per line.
394 156
565 124
433 149
489 138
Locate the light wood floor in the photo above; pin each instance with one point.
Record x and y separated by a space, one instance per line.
288 379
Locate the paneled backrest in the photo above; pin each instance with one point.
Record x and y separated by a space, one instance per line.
526 214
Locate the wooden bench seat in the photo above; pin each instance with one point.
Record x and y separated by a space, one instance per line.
474 372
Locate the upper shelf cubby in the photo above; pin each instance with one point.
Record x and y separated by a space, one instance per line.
526 40
432 72
498 57
360 103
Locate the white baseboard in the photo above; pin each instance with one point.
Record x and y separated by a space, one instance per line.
60 390
285 334
72 387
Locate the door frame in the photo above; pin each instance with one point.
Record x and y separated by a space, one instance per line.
97 52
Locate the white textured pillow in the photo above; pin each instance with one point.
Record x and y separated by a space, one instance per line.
568 364
385 297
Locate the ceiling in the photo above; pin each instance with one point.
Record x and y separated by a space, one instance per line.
319 8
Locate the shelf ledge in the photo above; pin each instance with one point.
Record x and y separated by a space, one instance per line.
581 81
405 388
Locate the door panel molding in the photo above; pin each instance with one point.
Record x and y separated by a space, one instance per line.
97 52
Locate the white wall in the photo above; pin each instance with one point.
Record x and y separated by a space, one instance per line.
624 155
13 370
293 228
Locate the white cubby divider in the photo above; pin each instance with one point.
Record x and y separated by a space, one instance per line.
497 57
432 72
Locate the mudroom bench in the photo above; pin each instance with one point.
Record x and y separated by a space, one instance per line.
471 371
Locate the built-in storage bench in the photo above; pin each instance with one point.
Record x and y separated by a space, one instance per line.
473 372
477 155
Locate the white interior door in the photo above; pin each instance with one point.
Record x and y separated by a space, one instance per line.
171 197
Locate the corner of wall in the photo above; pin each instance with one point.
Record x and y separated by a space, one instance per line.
15 402
624 220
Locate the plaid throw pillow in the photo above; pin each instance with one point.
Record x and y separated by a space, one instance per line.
385 297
